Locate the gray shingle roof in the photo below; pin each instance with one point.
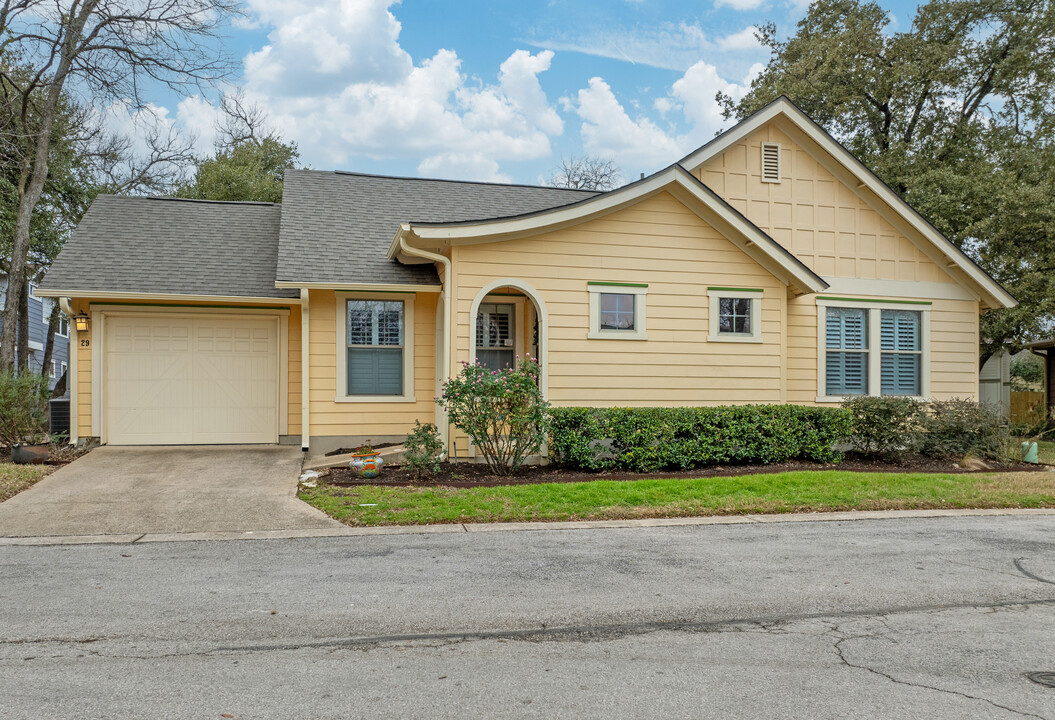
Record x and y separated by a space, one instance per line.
337 227
168 245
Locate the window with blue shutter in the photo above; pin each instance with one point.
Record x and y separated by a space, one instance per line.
375 347
902 353
846 342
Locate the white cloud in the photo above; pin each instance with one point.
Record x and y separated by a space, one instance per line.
334 78
741 4
667 46
463 166
317 46
609 132
641 145
743 40
695 92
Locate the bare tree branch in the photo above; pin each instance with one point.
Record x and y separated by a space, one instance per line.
586 173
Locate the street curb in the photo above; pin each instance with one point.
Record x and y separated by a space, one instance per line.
848 516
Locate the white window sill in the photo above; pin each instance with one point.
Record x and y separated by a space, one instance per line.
841 398
375 399
734 338
616 335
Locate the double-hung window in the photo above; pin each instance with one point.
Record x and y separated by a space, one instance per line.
871 348
375 349
64 326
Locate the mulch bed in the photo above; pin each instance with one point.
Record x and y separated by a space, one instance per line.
468 475
346 451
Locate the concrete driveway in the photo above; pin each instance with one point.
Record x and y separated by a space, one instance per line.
128 490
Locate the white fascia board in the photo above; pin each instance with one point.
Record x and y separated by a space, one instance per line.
100 295
360 287
674 176
996 295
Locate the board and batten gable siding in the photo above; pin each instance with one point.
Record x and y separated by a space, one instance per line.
84 357
658 241
373 420
831 229
814 214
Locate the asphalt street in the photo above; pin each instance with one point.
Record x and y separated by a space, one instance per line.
939 618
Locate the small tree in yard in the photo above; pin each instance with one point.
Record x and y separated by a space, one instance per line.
422 451
502 412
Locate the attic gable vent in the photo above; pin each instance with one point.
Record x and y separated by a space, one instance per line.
771 162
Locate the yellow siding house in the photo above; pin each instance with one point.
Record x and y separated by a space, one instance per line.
769 266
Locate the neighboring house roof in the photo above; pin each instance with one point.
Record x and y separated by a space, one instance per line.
160 246
337 226
674 179
994 294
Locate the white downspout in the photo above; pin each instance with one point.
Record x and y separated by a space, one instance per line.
305 371
448 322
72 371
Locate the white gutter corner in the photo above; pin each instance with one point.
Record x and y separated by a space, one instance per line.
400 242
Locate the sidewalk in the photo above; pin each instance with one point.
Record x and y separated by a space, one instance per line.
345 531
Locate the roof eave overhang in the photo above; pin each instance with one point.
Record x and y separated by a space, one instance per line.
990 291
174 297
674 179
362 287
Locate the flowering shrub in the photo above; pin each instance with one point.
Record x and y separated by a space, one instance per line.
502 412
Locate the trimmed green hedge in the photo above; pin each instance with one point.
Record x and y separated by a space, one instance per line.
654 439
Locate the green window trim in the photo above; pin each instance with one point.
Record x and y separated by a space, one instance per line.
734 289
867 300
616 284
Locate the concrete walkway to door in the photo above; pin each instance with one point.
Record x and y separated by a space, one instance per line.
185 489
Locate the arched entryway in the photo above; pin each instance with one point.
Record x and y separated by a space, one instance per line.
510 317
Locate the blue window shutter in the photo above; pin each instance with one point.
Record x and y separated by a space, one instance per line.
901 341
846 373
375 371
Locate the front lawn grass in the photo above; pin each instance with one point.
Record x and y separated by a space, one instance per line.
802 491
16 478
1046 452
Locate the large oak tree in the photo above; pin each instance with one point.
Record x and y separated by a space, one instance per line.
956 113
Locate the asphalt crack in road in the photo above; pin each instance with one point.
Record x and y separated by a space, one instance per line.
558 634
837 645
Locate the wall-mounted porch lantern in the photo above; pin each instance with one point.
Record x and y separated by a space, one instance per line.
81 322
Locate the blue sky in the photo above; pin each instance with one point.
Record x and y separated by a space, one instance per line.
497 90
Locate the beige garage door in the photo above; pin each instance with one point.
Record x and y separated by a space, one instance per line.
190 380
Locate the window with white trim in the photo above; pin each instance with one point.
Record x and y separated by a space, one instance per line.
871 348
64 326
63 367
374 341
374 348
734 314
617 310
496 335
53 366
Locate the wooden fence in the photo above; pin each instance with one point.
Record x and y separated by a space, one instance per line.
1027 407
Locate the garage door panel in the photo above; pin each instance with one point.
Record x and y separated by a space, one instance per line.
191 380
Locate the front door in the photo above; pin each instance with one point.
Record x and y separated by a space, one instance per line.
495 333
